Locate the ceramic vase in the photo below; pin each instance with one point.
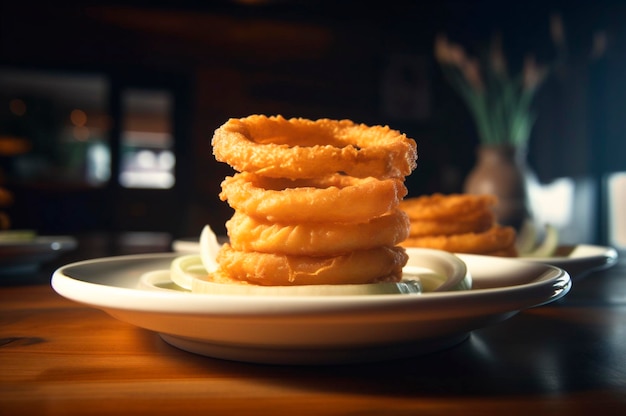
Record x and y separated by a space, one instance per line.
501 170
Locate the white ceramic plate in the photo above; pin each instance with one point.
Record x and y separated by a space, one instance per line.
26 256
581 259
312 330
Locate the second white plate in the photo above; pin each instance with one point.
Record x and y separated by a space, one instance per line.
580 259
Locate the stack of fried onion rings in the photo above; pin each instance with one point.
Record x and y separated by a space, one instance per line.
460 223
316 202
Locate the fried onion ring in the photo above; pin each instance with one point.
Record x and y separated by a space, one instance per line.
248 233
335 198
440 206
475 222
495 239
266 269
298 148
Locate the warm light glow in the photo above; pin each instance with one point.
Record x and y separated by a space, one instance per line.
78 118
11 146
81 133
17 107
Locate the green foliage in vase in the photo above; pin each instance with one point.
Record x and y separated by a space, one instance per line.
499 102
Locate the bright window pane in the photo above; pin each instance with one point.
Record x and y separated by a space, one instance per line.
616 186
147 159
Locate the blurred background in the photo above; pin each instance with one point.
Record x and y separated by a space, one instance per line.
107 109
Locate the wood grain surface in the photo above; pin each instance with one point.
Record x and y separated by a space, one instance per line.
58 357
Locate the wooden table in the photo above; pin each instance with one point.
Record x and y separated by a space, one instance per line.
60 358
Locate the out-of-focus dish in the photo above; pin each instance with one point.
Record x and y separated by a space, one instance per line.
24 255
581 259
311 329
458 223
186 245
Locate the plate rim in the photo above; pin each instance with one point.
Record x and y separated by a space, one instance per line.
553 280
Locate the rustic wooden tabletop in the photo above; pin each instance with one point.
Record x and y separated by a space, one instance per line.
58 357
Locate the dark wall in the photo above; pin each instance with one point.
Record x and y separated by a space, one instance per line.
338 60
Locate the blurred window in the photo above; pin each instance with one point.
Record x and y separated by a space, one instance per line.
147 157
616 187
54 127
